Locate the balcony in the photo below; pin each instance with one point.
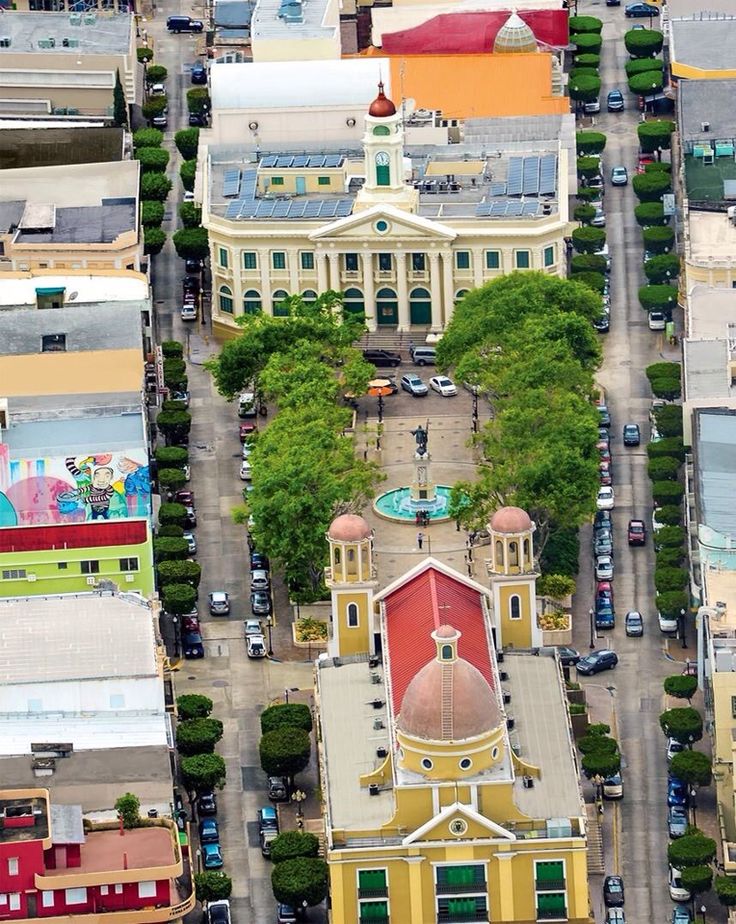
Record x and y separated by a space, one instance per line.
378 892
153 915
550 885
461 917
551 915
384 919
480 887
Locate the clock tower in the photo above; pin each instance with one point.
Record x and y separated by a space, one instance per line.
383 145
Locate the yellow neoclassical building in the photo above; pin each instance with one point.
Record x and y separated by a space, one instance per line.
450 783
403 231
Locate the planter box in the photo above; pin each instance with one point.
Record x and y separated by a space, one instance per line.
576 696
551 637
579 725
316 643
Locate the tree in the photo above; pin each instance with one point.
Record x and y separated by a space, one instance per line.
179 599
172 349
692 767
663 468
172 513
179 572
588 167
588 60
670 536
658 166
587 42
148 138
643 43
657 298
650 187
191 243
193 706
119 104
212 886
584 89
152 160
672 603
587 194
667 492
666 387
725 889
198 100
292 844
174 369
582 71
669 420
684 724
155 186
190 214
643 65
587 263
671 516
578 24
600 763
154 106
588 240
596 281
650 213
128 808
172 456
296 715
188 173
561 552
662 268
174 426
187 142
153 240
658 240
152 213
156 73
697 879
203 771
691 850
170 532
556 586
681 686
670 558
285 751
144 54
655 135
647 83
198 736
170 548
592 743
300 881
671 446
584 214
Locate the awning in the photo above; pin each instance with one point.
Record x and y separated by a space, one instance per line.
53 290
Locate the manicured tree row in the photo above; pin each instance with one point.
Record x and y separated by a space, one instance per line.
584 84
153 159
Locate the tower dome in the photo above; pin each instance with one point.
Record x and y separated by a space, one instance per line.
514 36
449 699
382 107
349 527
511 520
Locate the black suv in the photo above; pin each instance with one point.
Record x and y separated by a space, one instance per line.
207 803
382 357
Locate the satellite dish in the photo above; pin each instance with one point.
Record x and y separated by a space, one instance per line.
72 296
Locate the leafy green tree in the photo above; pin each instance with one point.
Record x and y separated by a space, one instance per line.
584 214
672 603
591 744
152 213
144 54
685 724
152 160
128 808
179 572
154 106
292 844
658 166
697 879
657 298
588 240
582 72
292 378
153 240
725 889
663 468
198 736
588 60
172 456
650 187
198 100
590 143
190 214
691 850
193 706
667 492
174 425
601 763
556 586
301 881
119 104
671 516
666 387
191 243
584 89
172 349
670 558
662 268
295 715
670 446
561 552
172 514
578 24
156 73
588 167
285 751
692 767
587 42
643 43
155 186
647 83
596 281
658 240
670 537
188 173
203 771
170 548
655 135
179 599
212 886
148 138
587 263
170 531
643 66
587 194
650 213
667 579
669 420
681 686
187 142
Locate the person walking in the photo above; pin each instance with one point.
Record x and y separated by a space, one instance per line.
420 540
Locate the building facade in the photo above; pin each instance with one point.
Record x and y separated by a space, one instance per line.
437 806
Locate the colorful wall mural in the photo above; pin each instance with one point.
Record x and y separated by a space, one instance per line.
99 486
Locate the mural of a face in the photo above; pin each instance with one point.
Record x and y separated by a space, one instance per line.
102 477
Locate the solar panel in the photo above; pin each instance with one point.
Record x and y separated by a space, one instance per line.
498 209
531 176
233 209
269 160
231 183
285 161
548 175
328 208
248 184
514 178
530 208
312 209
281 209
483 209
296 209
513 209
498 189
333 160
301 160
344 208
265 209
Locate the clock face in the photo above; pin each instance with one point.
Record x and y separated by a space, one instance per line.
382 159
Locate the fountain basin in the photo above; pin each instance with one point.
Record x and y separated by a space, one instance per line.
399 506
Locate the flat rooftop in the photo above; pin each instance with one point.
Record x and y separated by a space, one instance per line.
700 101
715 452
139 848
271 23
20 289
85 327
706 369
96 33
72 436
91 224
22 819
707 182
705 41
72 185
720 586
711 236
49 374
711 311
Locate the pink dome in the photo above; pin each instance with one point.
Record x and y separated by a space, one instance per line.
381 107
511 520
349 528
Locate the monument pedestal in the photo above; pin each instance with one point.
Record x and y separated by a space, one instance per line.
423 490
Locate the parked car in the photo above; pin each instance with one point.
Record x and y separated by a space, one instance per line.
190 517
597 661
414 385
604 568
259 561
677 820
613 787
657 320
615 916
674 747
198 73
599 219
191 543
255 646
568 656
246 470
382 357
613 891
603 543
634 624
267 819
252 627
632 434
667 624
605 417
211 856
208 831
266 838
678 893
641 9
619 176
190 622
278 791
604 597
605 473
603 519
197 120
219 602
246 430
605 617
185 496
218 912
592 107
677 793
682 915
603 323
193 645
606 498
615 99
285 914
604 453
260 602
188 311
637 532
207 803
443 386
259 580
182 396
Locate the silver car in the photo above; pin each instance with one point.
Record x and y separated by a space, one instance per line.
604 568
219 603
259 580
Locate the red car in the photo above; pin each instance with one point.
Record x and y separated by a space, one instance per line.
644 160
637 532
247 428
604 587
604 453
605 474
190 623
184 497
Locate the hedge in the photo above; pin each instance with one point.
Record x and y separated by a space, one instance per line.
590 142
585 89
587 263
643 43
648 214
595 281
587 42
588 240
669 420
588 167
148 138
646 83
661 268
582 213
663 468
152 213
187 172
667 447
659 369
670 516
584 24
650 187
667 492
670 537
655 134
153 240
670 603
666 387
643 65
588 60
657 298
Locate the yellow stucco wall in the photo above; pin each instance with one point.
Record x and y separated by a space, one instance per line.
352 640
516 633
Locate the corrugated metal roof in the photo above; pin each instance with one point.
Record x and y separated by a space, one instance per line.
716 456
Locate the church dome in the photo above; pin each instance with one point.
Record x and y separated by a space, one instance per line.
448 700
382 107
349 528
511 520
514 36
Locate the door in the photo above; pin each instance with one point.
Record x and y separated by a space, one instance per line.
420 307
301 186
387 308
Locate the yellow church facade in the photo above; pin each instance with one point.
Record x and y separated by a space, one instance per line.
450 783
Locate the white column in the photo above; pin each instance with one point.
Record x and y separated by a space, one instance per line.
334 274
264 264
402 290
448 287
293 257
369 290
435 288
477 267
321 261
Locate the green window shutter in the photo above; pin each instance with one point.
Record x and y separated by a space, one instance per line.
464 906
522 259
552 902
383 175
370 911
493 259
462 259
249 259
277 181
550 869
372 879
549 256
307 260
323 181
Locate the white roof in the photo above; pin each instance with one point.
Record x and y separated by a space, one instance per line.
296 85
22 291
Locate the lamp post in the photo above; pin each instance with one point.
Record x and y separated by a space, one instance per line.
592 628
269 624
683 640
703 909
379 388
298 797
199 860
177 636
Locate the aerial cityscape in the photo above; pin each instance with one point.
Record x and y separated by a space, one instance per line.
367 461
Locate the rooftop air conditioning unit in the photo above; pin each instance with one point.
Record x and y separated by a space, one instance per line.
31 577
90 18
75 19
5 41
51 41
705 126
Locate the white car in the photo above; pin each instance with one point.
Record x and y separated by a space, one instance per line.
667 624
247 450
677 892
657 320
253 627
599 219
444 386
604 568
188 312
256 646
188 196
246 470
605 499
157 89
674 747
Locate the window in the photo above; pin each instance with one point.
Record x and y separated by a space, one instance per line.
427 763
351 262
385 262
454 879
353 301
324 181
280 310
252 302
549 256
551 906
373 912
522 259
62 565
12 866
372 883
117 701
419 262
53 343
35 705
381 130
14 574
466 763
493 259
462 909
383 171
278 260
462 259
381 226
147 889
308 296
277 181
307 258
225 297
222 257
447 652
118 888
128 564
14 903
90 567
353 615
549 875
733 707
515 607
250 260
104 890
460 295
47 898
75 896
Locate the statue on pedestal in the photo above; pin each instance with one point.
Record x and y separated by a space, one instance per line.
422 437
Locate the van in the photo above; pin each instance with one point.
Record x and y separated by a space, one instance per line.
184 24
247 404
592 107
423 356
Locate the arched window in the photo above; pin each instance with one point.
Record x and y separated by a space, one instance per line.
383 171
420 306
354 301
252 303
309 296
226 299
353 615
515 606
514 554
526 550
387 307
336 554
499 553
381 130
351 554
446 652
460 295
280 310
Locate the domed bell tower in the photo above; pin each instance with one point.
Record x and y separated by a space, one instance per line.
514 579
351 580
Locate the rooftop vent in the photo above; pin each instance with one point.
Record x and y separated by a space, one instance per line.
528 782
90 18
291 12
5 41
373 789
381 752
705 126
75 19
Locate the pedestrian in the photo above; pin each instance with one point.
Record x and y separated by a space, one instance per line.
418 518
420 540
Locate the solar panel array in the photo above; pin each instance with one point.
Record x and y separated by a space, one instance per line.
231 184
291 161
532 176
508 208
289 208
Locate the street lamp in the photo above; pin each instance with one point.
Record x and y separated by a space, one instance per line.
703 909
175 622
592 628
269 623
298 797
682 629
199 860
379 388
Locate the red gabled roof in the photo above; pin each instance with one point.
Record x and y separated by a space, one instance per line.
418 607
473 33
73 536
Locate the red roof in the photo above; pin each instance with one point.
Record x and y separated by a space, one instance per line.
415 610
72 536
473 33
